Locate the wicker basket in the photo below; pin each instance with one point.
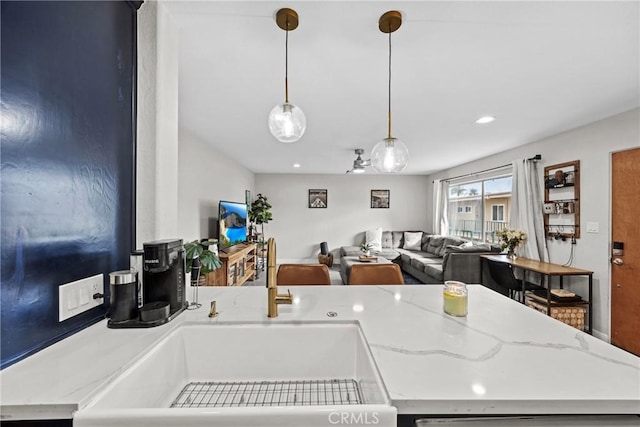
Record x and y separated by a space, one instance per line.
571 315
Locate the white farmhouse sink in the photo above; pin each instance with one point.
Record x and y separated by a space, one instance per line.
276 374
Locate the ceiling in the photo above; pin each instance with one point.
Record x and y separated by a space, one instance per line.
539 67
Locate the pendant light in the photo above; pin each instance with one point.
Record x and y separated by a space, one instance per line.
390 155
287 122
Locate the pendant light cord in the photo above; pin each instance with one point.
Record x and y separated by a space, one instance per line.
286 64
389 115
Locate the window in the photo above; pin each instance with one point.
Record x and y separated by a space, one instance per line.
497 213
478 209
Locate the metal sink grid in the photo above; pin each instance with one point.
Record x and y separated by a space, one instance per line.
269 393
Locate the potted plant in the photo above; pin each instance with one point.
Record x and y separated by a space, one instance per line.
366 249
209 261
259 212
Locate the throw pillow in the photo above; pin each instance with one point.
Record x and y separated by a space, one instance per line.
374 239
481 247
450 241
412 241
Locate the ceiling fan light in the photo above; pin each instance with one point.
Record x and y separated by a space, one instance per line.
485 119
358 169
390 155
287 122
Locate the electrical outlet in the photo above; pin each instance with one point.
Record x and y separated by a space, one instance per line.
77 297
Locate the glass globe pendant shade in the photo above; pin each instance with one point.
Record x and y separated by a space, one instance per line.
287 122
390 156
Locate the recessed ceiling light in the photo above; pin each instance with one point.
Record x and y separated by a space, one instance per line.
296 165
485 119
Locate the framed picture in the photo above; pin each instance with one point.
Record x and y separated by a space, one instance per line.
380 199
317 198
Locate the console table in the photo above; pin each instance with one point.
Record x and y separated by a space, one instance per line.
549 270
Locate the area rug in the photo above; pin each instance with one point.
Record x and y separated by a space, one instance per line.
410 280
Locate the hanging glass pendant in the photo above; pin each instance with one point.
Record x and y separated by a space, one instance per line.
390 156
287 122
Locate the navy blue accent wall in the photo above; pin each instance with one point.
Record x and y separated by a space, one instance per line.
68 146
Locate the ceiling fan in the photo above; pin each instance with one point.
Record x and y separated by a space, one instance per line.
359 163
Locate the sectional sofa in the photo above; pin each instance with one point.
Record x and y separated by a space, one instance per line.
436 258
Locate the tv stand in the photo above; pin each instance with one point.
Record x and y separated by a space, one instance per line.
238 266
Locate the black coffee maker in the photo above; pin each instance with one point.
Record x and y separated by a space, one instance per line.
163 288
163 278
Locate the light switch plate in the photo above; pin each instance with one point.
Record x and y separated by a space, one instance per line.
77 297
592 227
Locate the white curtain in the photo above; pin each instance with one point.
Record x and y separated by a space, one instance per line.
440 202
526 209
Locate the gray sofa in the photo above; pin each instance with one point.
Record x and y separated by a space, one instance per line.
441 258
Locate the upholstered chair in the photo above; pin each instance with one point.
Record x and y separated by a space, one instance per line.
376 274
303 274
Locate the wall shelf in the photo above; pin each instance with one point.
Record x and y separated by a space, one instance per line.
562 200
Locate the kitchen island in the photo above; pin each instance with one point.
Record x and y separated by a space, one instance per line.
503 358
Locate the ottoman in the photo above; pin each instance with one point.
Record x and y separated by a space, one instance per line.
346 262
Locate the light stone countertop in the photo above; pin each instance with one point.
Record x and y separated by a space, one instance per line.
503 358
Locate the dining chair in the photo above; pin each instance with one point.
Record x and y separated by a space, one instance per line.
376 274
303 274
502 274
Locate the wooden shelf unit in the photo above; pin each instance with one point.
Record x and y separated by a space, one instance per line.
563 199
238 266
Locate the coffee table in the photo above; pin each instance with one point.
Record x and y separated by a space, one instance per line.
346 262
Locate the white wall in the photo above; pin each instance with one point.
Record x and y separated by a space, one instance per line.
157 125
146 124
299 230
167 126
592 145
205 176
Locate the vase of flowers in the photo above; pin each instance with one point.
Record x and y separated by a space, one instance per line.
511 239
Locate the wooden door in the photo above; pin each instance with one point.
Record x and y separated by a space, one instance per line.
625 268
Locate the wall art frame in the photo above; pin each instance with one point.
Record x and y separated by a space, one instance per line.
380 199
318 198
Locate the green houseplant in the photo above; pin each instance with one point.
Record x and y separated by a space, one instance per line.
259 212
209 261
366 249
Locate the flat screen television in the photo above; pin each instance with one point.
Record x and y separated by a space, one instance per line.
232 224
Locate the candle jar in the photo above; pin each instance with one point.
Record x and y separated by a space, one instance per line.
455 298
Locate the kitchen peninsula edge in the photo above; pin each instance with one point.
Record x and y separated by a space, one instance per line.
503 358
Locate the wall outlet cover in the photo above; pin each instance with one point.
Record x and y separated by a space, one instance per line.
77 297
